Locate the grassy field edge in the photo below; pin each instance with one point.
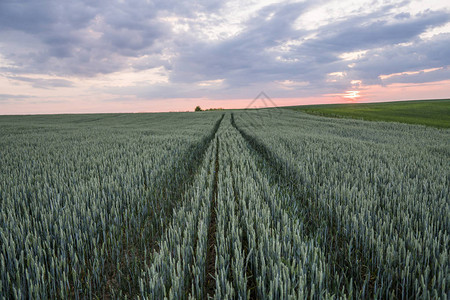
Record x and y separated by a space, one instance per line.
435 113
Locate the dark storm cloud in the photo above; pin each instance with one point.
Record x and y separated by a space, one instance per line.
359 33
86 38
418 55
246 57
251 56
77 38
37 17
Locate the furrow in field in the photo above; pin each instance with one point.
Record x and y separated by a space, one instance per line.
249 273
211 238
375 199
178 267
84 204
184 265
231 282
284 262
174 192
311 215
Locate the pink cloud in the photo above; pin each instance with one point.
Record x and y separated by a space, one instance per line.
371 93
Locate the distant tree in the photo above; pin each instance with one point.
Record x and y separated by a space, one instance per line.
198 108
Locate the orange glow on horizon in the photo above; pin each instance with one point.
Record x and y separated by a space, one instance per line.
110 103
382 77
352 95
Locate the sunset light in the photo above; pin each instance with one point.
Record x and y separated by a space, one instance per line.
148 56
234 149
352 95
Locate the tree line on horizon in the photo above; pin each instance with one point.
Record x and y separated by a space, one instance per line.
198 108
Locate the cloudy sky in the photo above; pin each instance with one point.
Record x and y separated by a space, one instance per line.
135 55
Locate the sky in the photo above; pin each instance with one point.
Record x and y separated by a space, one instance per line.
84 56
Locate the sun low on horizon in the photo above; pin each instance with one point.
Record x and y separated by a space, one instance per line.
352 95
224 149
154 56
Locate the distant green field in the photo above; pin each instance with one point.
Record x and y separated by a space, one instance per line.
425 112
